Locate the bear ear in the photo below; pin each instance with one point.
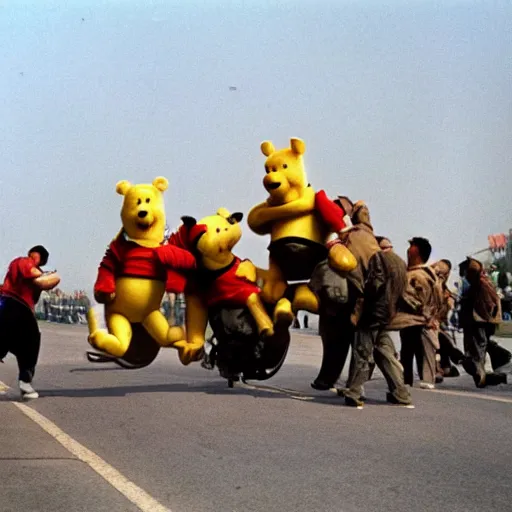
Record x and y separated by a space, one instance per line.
267 148
298 146
160 183
223 213
122 187
237 216
188 221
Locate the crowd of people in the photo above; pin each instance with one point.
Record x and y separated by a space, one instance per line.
71 308
60 307
413 298
387 294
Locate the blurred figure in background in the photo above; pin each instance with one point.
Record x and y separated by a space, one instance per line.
448 351
480 314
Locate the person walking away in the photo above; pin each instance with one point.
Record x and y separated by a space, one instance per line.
480 313
448 351
417 319
19 331
381 287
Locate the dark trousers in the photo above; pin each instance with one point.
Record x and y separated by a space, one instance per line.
418 342
477 343
19 335
448 351
377 345
337 335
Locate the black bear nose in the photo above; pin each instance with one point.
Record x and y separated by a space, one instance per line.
142 214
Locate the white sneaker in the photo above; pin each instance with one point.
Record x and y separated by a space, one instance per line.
27 391
427 385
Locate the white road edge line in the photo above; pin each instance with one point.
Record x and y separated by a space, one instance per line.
470 394
298 395
128 489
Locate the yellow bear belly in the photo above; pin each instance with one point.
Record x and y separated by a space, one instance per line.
136 298
306 226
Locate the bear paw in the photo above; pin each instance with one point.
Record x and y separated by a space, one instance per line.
189 352
106 342
283 314
341 259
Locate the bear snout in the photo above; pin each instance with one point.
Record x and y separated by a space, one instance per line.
142 214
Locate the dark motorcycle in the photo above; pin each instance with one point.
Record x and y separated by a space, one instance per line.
236 349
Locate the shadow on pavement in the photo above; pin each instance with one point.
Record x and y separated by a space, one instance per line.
214 389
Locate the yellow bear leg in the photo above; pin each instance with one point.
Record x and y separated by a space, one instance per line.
258 312
283 313
196 322
159 329
274 286
117 340
305 300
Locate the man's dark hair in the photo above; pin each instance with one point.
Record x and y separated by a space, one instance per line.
448 263
43 253
463 267
424 247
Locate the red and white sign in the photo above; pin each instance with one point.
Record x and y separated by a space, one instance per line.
498 242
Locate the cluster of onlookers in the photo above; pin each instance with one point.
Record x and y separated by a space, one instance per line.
502 280
65 308
173 307
414 299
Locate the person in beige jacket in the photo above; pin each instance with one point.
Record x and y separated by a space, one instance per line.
417 319
381 279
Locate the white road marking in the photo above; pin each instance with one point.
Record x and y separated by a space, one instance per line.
296 395
299 395
470 395
132 492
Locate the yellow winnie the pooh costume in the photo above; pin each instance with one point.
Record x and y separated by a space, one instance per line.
131 278
222 278
299 222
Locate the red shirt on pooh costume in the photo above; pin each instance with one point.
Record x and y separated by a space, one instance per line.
125 258
221 286
228 288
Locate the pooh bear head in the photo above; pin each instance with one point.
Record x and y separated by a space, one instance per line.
214 237
143 211
285 178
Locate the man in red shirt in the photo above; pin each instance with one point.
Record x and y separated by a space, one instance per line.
19 332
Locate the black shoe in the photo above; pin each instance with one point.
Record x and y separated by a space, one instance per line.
451 372
351 402
341 392
439 378
321 385
390 398
494 379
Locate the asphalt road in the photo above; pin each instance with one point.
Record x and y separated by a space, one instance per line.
192 444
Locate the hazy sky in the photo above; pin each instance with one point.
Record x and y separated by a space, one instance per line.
406 105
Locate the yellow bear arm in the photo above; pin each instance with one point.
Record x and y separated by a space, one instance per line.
256 220
247 270
263 214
